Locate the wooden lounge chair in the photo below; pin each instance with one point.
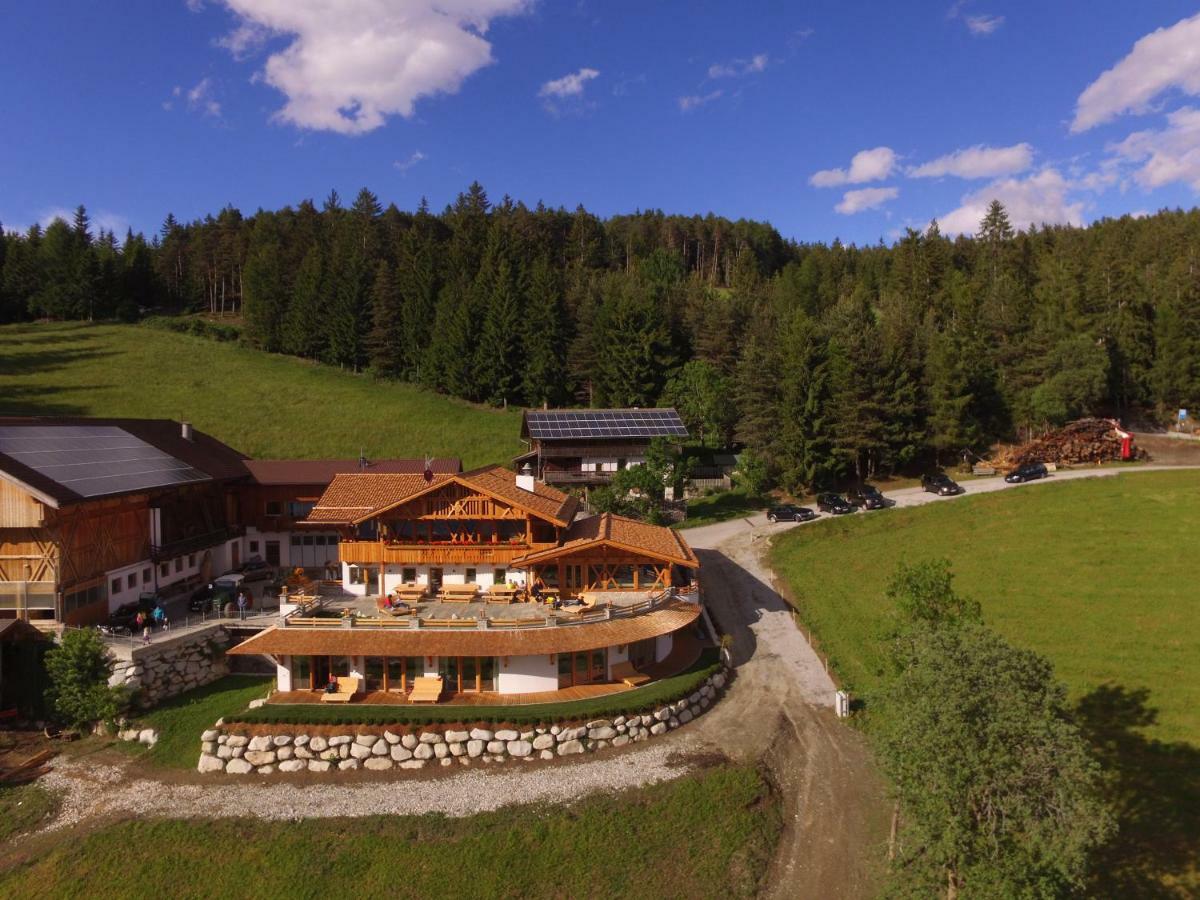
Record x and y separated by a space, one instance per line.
347 688
426 690
627 674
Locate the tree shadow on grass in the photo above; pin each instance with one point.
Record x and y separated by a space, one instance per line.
1155 792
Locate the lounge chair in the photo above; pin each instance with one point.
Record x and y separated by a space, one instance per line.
347 688
627 674
426 690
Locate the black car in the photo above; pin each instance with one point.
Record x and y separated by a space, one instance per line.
833 503
213 596
125 615
941 484
790 513
256 569
1028 472
866 497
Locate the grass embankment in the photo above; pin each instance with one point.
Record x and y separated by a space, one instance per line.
181 720
666 690
23 807
709 835
721 507
1096 575
264 405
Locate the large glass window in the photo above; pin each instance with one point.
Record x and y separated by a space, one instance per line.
395 673
301 673
487 673
374 673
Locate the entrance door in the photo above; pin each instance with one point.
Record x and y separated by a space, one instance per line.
435 580
273 553
320 672
236 555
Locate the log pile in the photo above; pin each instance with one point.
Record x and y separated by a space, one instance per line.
1084 441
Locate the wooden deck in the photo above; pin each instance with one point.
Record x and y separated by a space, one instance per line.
481 698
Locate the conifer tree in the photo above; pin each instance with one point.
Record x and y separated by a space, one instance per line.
386 340
545 340
499 356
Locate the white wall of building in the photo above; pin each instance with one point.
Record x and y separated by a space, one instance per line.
662 647
527 674
393 576
124 584
283 672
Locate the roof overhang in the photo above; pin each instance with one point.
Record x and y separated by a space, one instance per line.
570 550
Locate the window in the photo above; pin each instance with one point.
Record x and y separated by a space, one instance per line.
191 560
164 570
295 540
131 581
179 565
499 576
408 576
298 509
470 576
146 575
301 673
274 508
254 547
86 597
115 587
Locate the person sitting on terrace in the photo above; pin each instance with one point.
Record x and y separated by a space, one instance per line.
537 591
331 686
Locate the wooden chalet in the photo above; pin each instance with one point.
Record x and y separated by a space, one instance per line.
587 447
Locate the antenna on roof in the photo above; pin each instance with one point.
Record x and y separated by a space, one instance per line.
363 462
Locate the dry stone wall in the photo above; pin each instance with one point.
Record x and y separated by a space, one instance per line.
173 664
223 749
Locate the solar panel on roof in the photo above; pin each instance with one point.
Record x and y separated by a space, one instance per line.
643 423
94 460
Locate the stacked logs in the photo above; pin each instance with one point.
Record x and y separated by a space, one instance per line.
1083 441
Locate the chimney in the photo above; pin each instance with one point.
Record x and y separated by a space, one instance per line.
525 477
185 430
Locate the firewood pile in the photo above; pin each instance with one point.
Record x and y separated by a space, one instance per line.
1084 441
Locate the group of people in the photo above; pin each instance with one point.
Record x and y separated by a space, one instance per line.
395 604
157 618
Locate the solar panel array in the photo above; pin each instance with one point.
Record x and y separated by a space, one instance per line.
593 423
94 460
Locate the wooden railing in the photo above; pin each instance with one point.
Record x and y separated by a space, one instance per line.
435 554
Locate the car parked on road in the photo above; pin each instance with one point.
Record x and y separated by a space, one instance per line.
835 504
866 497
125 615
212 597
790 513
1027 472
941 484
257 569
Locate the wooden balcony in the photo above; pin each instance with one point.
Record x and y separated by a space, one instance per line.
377 552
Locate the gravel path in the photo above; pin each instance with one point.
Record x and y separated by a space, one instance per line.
91 790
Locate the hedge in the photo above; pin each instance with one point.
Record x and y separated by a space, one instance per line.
668 690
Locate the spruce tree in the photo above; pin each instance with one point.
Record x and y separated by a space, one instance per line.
545 344
386 340
303 331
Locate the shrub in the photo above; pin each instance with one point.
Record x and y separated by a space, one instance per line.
79 669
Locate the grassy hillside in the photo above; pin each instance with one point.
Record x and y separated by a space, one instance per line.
1098 574
709 835
264 405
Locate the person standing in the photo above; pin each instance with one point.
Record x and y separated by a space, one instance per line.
241 604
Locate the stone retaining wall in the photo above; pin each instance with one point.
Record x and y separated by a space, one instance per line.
223 750
174 664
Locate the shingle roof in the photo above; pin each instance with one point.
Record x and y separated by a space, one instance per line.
322 471
653 540
336 641
356 496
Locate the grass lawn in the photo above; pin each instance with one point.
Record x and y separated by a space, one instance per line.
665 690
709 835
180 720
1096 574
265 405
23 807
720 507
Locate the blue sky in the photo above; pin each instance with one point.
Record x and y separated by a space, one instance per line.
828 119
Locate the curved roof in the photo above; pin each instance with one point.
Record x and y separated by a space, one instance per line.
336 641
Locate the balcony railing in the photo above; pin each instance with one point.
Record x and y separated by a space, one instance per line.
367 552
196 542
575 476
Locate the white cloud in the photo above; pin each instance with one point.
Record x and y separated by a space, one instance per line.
983 24
867 165
403 165
1038 199
1167 155
195 5
569 85
687 104
977 162
352 63
244 40
200 98
100 219
865 198
739 67
1166 58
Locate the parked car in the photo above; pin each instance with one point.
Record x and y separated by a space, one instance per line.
866 497
941 484
257 569
790 513
125 615
213 596
835 504
1028 472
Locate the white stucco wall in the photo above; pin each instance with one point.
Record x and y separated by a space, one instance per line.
283 672
527 674
393 576
662 647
